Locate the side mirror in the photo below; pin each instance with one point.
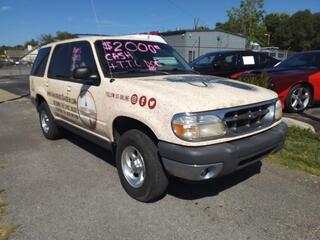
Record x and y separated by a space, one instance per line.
85 73
82 73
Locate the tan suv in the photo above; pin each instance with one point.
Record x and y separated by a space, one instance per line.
136 96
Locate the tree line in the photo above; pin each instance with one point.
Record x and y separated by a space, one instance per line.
297 32
43 39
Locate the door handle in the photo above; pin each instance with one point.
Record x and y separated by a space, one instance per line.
68 89
47 84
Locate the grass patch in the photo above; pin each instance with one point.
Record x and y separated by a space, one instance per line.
301 151
5 230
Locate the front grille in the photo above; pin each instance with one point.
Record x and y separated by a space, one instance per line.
248 119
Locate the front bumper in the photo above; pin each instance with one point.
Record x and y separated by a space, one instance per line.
200 163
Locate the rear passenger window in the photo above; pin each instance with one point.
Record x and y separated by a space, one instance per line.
228 61
67 57
39 65
59 66
249 60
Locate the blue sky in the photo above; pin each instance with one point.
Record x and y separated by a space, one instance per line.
21 20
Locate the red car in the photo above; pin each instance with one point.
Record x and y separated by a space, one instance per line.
296 80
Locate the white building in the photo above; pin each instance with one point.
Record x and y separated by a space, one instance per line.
190 44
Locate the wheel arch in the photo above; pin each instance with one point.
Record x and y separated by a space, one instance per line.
304 83
122 124
39 99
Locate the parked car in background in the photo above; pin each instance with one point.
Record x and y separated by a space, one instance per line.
232 63
296 80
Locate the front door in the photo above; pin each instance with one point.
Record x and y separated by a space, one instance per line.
89 96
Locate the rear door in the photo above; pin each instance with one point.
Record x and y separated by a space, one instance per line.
62 105
248 61
37 75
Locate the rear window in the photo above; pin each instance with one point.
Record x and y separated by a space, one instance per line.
39 65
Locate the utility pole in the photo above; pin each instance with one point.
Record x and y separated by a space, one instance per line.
268 35
199 46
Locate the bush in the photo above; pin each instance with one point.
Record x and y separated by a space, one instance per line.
261 81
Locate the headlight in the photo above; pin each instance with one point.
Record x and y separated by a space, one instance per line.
278 112
197 126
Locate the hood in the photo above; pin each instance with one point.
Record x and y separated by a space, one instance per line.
198 92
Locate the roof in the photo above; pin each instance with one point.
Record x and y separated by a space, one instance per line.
31 52
179 32
15 53
141 37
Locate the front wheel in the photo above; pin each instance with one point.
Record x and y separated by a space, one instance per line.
298 99
139 167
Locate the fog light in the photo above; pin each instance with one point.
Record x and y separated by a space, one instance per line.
207 173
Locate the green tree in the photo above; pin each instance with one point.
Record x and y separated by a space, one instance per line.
64 35
302 30
248 19
298 32
45 39
315 42
277 25
32 42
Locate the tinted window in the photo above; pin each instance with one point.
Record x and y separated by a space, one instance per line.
39 65
205 60
67 57
82 56
249 59
60 62
267 61
302 60
228 60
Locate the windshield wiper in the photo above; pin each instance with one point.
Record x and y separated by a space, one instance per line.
182 70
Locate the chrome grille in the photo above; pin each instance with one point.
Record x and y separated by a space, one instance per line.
247 119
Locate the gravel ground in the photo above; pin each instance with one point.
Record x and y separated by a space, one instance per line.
69 189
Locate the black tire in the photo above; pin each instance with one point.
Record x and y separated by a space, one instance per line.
155 180
290 97
53 132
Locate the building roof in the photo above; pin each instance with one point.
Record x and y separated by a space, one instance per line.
179 32
15 53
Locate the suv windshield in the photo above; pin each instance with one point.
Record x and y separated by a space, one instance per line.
302 60
123 58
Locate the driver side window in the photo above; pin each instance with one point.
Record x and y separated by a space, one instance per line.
205 60
69 56
82 56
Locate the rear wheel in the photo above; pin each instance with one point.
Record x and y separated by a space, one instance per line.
48 126
298 98
139 167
